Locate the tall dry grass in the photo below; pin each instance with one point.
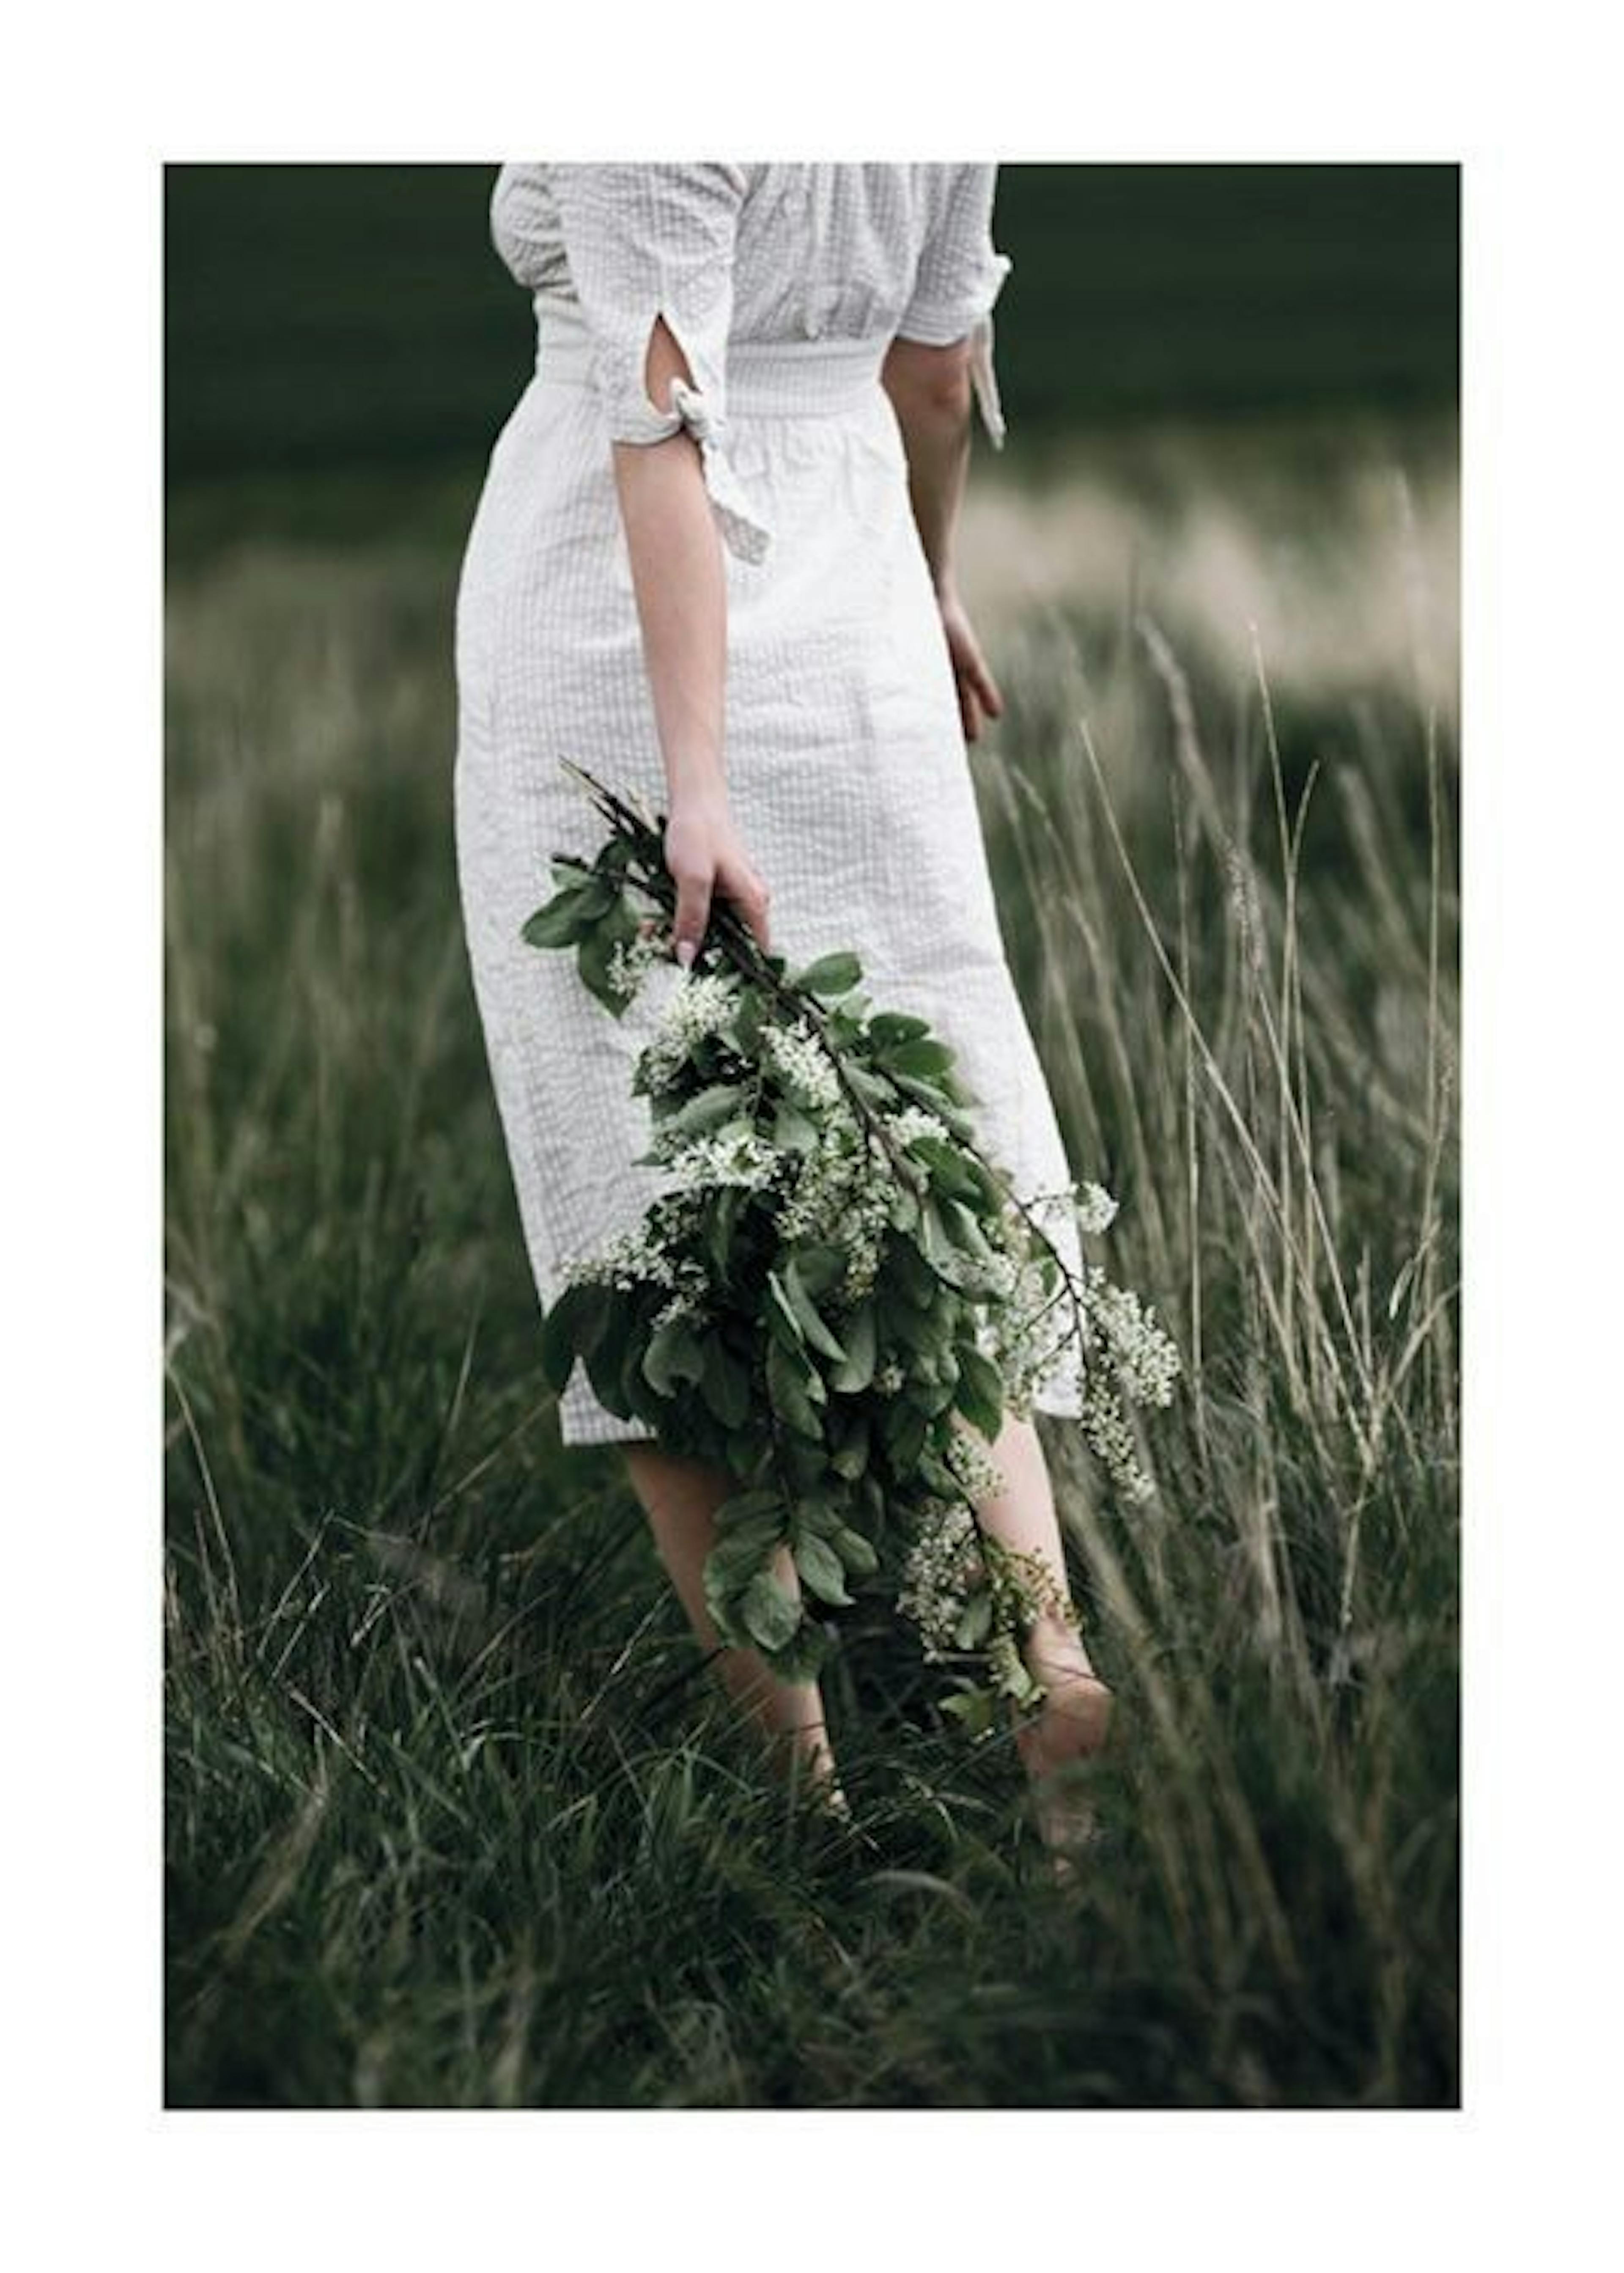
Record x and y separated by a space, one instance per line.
451 1820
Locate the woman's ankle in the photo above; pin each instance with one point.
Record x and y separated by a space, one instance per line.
1055 1653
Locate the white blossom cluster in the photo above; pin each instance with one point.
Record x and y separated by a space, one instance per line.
698 1007
1143 1355
734 1156
648 1254
1000 1276
636 1256
838 1196
631 961
970 1457
1088 1205
1096 1209
687 1298
916 1120
941 1568
802 1065
1110 1437
1034 1332
948 1563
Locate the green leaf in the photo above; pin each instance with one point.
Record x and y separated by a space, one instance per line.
890 1027
1016 1681
742 1506
912 1329
980 1392
719 1103
923 1058
749 1545
561 923
975 1709
743 1446
830 975
592 959
673 1356
903 1432
783 1322
792 1131
804 1461
806 1314
934 1244
743 1030
819 1267
600 893
937 1396
975 1621
950 1265
717 1583
801 1657
574 1322
791 1386
871 1087
770 1614
943 1097
964 1231
912 1274
951 1171
720 1582
856 1369
724 1385
606 1369
822 1572
723 1210
938 1477
902 1214
852 1459
856 1552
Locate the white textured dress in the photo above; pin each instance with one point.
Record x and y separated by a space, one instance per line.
847 767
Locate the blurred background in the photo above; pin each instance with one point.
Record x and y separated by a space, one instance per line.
451 1820
350 320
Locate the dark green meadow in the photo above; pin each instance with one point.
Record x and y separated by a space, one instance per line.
451 1819
452 1816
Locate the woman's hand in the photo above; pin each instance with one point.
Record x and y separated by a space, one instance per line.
705 856
978 690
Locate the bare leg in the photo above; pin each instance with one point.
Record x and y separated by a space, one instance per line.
680 1497
1072 1723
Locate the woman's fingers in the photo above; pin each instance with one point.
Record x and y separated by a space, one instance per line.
694 890
977 690
978 693
751 898
987 690
707 862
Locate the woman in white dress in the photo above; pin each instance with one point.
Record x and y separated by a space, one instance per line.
714 562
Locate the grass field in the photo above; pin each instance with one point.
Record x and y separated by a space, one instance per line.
451 1819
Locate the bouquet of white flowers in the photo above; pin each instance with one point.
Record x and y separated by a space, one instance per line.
834 1294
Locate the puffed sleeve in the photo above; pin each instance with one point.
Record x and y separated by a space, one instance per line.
960 275
646 241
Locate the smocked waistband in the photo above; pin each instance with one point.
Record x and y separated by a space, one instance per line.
805 377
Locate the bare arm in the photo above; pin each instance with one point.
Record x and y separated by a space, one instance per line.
930 392
680 582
